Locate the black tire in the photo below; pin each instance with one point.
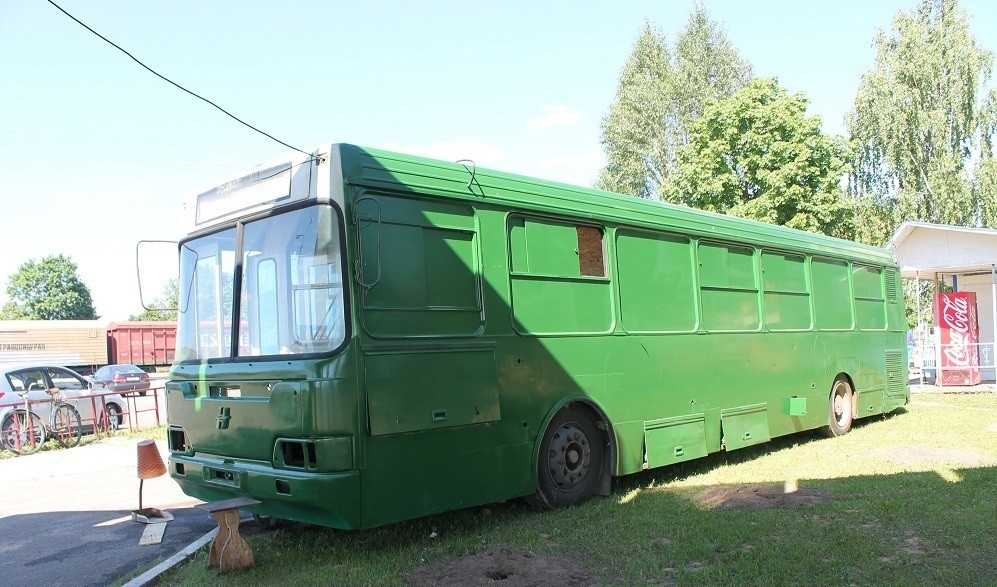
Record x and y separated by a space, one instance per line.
22 434
110 419
66 426
142 393
841 413
570 461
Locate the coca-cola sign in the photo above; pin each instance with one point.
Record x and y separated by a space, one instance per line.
955 318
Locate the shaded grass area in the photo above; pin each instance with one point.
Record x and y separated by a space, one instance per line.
910 499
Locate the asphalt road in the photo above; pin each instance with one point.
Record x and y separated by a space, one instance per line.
65 515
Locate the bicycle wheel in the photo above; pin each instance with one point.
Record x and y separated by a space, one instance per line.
66 425
22 432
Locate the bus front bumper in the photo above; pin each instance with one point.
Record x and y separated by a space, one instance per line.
327 499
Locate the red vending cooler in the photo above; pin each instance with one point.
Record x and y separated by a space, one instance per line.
958 337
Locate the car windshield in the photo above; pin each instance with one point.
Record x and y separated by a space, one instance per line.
289 294
65 380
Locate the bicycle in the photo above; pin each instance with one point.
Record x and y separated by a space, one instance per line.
24 432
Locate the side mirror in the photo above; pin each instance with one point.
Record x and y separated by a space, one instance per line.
157 265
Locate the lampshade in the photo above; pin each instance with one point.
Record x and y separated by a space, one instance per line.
150 464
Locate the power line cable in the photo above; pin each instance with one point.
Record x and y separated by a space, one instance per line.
157 74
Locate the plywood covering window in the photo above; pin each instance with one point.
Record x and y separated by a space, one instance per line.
590 251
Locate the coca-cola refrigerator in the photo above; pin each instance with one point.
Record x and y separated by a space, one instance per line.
958 332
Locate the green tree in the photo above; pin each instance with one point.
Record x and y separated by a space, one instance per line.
986 190
918 120
163 307
48 290
758 155
661 91
633 133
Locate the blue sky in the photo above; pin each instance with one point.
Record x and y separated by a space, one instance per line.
96 153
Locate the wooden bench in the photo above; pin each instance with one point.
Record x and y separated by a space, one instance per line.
229 551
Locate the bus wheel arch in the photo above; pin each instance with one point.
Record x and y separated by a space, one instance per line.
575 456
842 403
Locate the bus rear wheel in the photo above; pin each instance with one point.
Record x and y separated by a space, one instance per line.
840 412
570 461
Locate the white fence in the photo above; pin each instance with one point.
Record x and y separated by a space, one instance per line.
926 360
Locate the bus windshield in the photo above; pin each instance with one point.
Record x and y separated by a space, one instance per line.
289 289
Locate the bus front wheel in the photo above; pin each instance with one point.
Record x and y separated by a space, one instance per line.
570 460
840 412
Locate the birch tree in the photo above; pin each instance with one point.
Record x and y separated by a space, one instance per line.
661 91
918 120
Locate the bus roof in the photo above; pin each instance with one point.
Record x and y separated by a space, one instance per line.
323 174
465 181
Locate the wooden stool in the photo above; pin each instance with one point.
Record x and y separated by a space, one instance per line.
229 551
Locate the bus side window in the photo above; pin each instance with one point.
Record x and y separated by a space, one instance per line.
832 295
558 277
657 288
870 301
728 287
787 296
421 274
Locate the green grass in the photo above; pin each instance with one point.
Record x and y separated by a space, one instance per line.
910 499
156 432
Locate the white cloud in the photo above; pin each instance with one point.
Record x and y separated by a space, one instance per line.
555 116
581 169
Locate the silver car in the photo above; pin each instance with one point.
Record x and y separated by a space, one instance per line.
97 406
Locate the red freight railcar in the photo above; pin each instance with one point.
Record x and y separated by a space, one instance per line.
145 344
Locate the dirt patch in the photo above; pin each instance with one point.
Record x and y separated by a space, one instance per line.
912 546
910 456
770 495
504 566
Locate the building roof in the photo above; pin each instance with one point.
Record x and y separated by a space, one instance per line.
923 249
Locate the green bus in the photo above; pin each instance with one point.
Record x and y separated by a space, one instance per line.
366 337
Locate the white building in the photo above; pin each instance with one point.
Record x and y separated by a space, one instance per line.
963 258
